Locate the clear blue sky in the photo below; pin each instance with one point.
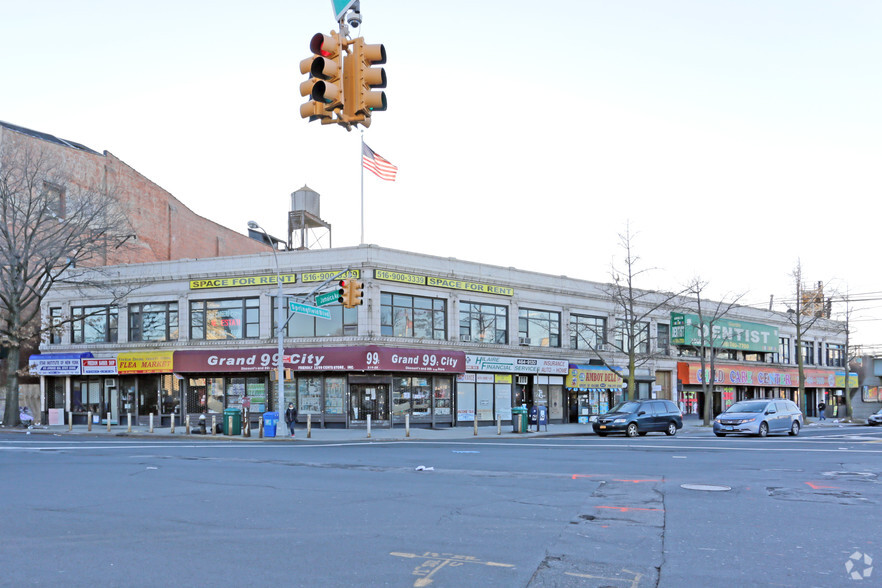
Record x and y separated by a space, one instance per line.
735 136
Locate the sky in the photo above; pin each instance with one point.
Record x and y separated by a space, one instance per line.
733 138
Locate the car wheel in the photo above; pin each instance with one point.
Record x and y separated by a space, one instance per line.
631 431
764 430
671 430
794 429
720 434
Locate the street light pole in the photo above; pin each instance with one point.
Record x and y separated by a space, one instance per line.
280 322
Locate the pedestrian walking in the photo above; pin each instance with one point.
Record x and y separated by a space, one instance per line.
822 411
291 417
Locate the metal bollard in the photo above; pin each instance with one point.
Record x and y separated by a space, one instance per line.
498 424
214 424
260 427
476 425
129 420
186 424
407 425
90 420
151 422
70 421
309 426
369 426
172 431
108 422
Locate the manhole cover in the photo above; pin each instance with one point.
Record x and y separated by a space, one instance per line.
706 487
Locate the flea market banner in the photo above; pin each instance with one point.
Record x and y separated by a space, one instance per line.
686 329
690 373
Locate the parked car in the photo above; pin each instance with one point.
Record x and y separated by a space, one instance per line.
639 417
875 418
759 417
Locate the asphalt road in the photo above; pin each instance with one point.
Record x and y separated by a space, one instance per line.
579 511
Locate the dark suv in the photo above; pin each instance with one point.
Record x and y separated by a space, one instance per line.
639 417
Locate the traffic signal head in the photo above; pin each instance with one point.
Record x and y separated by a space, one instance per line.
343 292
324 86
355 292
360 80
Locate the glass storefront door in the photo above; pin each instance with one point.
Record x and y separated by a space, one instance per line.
368 399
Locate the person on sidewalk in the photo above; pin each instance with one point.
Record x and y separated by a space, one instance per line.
822 411
291 417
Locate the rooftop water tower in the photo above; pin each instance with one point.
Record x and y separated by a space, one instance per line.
305 218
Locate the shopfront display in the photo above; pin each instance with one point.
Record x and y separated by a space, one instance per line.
592 390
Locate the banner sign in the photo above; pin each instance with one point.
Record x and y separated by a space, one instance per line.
778 377
368 358
686 329
596 378
324 276
144 362
404 278
516 365
56 364
103 366
238 281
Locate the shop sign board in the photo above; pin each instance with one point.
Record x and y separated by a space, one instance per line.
742 375
441 282
516 365
367 358
240 281
597 378
144 362
686 329
56 364
99 366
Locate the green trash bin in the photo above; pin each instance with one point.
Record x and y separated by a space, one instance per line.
232 421
519 419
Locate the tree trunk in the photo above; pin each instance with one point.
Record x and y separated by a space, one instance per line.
10 415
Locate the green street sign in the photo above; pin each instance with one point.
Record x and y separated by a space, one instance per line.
340 7
298 308
327 298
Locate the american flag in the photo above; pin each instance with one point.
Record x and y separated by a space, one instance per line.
380 166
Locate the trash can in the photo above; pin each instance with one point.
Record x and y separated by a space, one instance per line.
519 419
232 421
270 422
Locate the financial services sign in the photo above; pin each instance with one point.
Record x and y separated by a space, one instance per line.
686 329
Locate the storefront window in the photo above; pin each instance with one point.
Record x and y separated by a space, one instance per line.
237 318
443 400
156 321
483 323
169 395
587 332
334 395
539 328
411 395
344 321
309 395
94 324
413 316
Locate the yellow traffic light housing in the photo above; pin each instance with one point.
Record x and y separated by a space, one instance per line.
324 86
360 79
355 293
343 292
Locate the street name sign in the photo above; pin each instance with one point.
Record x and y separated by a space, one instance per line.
299 308
327 298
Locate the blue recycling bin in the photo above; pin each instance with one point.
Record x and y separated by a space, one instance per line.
270 422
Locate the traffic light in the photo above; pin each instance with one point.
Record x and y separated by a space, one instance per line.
343 292
359 80
324 87
355 293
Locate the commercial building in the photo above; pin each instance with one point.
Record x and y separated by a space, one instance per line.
439 341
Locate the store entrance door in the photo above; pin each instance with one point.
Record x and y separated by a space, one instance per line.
369 399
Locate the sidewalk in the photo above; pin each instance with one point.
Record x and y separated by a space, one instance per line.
692 427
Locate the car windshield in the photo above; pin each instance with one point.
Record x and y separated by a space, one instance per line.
755 406
625 407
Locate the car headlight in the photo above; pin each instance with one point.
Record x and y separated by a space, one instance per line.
619 421
717 420
747 420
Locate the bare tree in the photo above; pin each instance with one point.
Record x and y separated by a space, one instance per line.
50 227
634 308
711 337
803 318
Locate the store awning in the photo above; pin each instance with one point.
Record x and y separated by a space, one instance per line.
56 364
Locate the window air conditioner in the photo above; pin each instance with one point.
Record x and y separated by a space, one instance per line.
110 382
522 380
524 340
465 338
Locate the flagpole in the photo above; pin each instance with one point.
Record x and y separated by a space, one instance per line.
361 165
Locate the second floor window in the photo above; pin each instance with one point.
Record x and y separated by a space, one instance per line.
54 326
835 355
783 355
808 352
236 318
663 338
94 324
484 323
153 321
641 337
344 322
403 315
587 332
540 328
